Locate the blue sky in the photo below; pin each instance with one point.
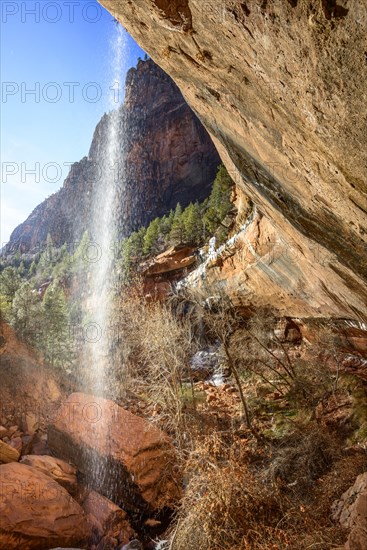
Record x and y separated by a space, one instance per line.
63 50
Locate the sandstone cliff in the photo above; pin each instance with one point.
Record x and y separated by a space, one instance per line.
280 85
166 156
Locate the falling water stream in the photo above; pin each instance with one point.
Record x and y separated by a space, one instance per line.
105 223
102 273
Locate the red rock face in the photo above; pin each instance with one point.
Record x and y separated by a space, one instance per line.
36 512
281 87
112 519
174 259
123 456
166 157
161 272
59 470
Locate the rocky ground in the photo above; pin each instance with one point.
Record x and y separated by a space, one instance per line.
47 501
50 499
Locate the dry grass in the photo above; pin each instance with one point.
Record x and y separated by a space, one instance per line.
224 502
157 349
167 345
231 504
301 457
241 492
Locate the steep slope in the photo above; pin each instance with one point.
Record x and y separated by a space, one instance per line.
167 157
27 384
281 86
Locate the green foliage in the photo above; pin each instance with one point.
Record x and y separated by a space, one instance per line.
192 225
46 260
80 261
32 269
166 224
43 323
26 314
64 264
177 232
151 237
10 282
21 269
55 341
5 307
219 204
132 250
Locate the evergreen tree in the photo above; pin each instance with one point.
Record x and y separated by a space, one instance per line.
132 251
137 243
64 263
10 282
219 204
166 224
192 218
83 254
151 237
17 257
26 313
56 345
32 269
45 264
21 269
177 232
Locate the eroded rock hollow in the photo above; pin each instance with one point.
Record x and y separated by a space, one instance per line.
281 88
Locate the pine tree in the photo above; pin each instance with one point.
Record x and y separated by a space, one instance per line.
21 269
132 251
137 243
26 314
193 224
219 204
166 225
10 282
32 269
56 345
178 228
63 265
46 260
83 254
151 237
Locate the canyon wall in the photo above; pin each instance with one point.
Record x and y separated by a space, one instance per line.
166 157
280 85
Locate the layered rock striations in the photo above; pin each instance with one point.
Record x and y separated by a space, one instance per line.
166 157
281 87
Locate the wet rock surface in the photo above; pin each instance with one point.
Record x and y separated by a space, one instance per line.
205 363
93 431
113 521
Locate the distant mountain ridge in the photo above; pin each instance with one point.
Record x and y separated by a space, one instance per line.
167 157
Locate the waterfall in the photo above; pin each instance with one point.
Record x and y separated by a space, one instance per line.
97 365
104 224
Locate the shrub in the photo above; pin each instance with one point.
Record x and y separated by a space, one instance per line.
302 456
225 505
